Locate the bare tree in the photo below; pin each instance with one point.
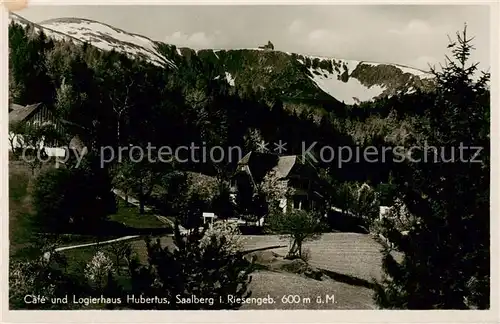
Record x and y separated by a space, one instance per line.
120 250
120 106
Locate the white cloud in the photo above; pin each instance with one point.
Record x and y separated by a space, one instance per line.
319 35
321 41
414 27
195 40
423 62
324 39
297 26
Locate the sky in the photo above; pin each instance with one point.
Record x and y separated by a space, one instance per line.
412 35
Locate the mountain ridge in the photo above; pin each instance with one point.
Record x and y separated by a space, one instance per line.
293 76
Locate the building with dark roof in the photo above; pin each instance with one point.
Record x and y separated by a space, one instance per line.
18 113
296 176
36 114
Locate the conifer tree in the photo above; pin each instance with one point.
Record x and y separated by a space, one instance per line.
30 81
445 261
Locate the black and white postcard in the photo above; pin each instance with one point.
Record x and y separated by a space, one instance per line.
249 158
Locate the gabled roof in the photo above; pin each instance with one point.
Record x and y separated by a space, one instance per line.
258 164
284 166
14 106
261 164
20 113
245 160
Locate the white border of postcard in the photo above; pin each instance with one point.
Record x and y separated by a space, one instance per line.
254 316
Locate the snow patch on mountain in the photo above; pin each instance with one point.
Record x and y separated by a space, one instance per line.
350 64
54 34
353 64
419 73
230 79
108 38
350 92
411 90
99 35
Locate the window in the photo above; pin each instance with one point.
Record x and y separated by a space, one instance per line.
232 183
301 203
297 203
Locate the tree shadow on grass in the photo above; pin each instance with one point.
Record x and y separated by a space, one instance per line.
109 228
347 279
336 276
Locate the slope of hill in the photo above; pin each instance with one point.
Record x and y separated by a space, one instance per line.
100 35
107 37
290 76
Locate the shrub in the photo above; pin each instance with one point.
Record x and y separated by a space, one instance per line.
41 273
98 269
227 232
65 199
209 270
50 201
28 278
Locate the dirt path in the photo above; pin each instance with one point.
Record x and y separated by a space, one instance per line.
46 255
124 238
132 201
